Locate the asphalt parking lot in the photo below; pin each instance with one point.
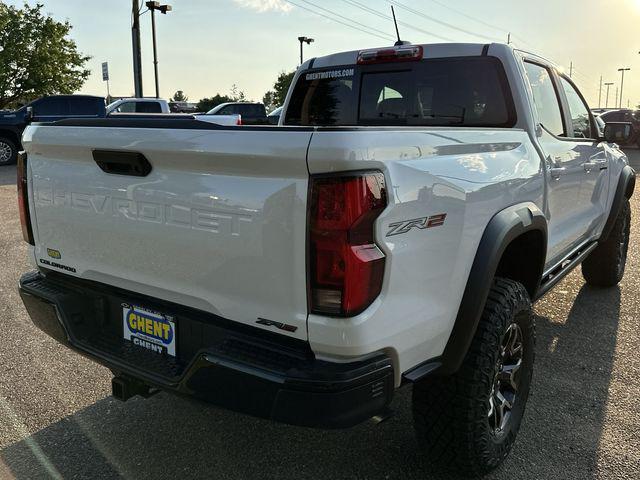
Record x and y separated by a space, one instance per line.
58 420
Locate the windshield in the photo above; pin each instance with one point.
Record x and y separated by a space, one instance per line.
467 91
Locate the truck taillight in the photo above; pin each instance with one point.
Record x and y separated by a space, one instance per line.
23 199
239 121
346 266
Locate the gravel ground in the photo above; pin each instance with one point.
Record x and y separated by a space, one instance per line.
57 419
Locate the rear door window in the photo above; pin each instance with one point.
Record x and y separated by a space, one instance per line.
148 107
466 91
85 106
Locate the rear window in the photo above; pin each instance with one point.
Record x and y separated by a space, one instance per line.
250 110
469 91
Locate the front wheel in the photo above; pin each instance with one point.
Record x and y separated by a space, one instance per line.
604 267
468 422
8 151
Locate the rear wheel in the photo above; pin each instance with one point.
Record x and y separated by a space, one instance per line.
468 422
8 151
604 267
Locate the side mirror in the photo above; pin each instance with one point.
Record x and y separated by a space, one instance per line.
28 114
617 132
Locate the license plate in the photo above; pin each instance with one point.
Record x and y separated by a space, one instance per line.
148 329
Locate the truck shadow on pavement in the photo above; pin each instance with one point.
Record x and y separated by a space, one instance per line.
171 437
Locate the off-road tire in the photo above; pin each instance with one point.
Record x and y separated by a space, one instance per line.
604 267
8 151
451 414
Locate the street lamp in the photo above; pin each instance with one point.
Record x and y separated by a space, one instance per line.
153 6
622 84
606 103
302 40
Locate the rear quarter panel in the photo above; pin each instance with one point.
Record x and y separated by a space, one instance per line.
467 174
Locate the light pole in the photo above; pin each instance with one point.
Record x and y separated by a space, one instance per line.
135 43
606 102
622 84
303 40
153 6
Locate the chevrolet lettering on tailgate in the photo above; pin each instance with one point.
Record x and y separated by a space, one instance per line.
151 330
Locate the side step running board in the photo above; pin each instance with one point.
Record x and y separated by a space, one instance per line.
550 279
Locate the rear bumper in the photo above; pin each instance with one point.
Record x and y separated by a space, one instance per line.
230 365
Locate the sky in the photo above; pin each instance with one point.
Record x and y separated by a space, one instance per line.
206 46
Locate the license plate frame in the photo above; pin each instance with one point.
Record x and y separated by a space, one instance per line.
149 329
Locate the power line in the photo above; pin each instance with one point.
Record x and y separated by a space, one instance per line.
440 22
345 18
386 17
486 24
381 34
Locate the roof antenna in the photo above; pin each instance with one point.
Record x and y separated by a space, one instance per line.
395 22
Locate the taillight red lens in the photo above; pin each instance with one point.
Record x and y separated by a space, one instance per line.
23 199
346 265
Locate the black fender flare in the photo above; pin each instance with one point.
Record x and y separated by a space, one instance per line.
504 227
626 186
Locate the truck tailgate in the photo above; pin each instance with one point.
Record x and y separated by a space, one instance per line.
218 224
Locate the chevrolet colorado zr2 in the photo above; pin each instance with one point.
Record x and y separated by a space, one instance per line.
393 229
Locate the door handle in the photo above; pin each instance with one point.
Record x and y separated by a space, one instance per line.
556 172
597 164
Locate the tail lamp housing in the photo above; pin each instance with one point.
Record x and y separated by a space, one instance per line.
23 199
346 266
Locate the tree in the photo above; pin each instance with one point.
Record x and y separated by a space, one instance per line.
237 94
37 57
179 96
275 98
207 104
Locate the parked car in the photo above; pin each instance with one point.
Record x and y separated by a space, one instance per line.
182 107
274 117
625 115
251 113
397 235
45 109
139 105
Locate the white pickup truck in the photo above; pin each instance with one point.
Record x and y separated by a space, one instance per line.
393 230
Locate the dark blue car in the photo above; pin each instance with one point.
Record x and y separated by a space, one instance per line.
45 109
